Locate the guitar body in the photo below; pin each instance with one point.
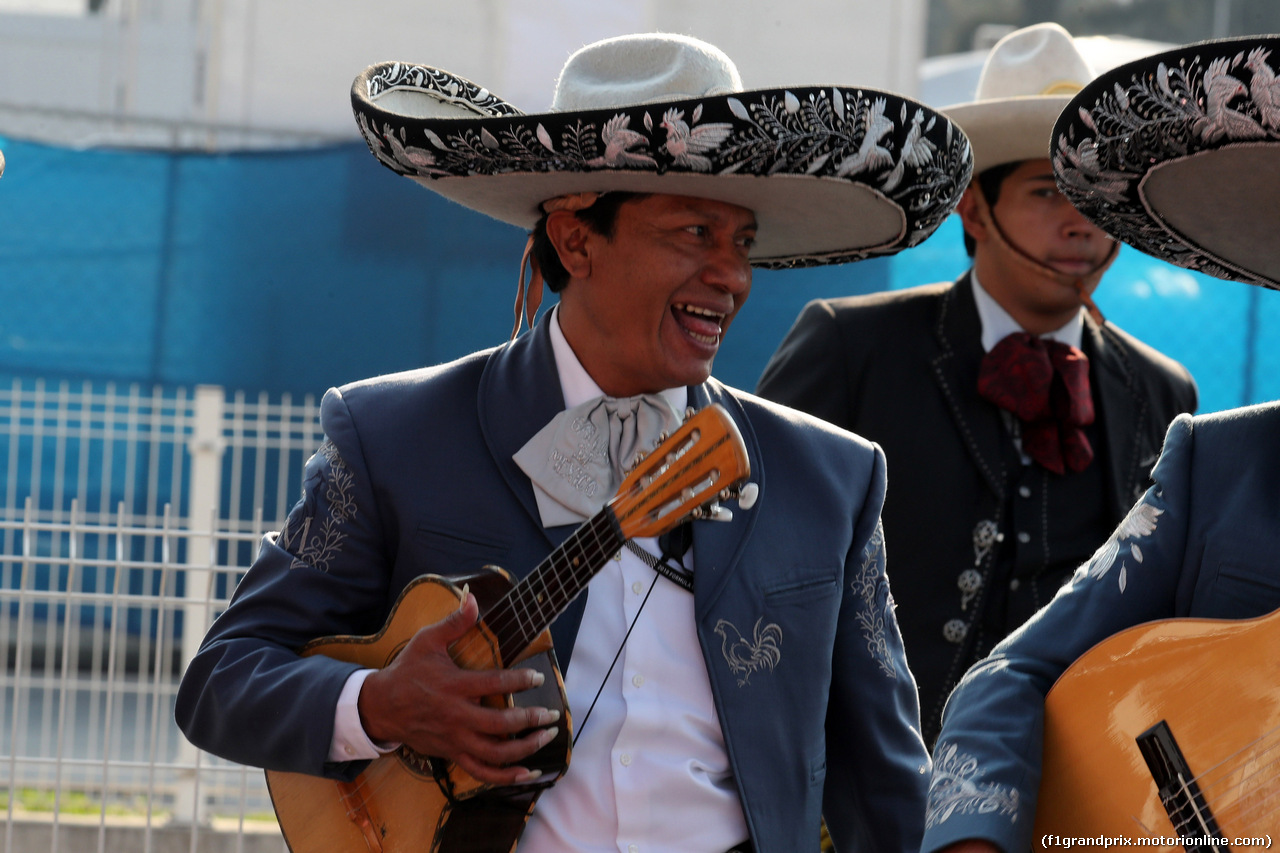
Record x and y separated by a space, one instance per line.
1214 683
405 801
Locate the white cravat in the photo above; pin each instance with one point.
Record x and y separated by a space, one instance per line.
649 773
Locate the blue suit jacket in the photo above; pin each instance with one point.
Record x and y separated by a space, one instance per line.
1201 543
416 476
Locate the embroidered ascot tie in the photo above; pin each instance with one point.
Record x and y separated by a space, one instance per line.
579 459
1045 384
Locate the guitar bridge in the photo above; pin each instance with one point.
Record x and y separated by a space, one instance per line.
1179 793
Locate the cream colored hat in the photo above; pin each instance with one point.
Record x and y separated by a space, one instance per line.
1028 78
833 173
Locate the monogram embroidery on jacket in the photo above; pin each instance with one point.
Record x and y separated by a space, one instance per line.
954 789
871 618
745 656
315 544
1138 524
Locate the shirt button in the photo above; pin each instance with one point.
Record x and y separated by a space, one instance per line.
1024 537
1014 584
349 749
1024 491
637 587
631 848
955 630
625 759
637 680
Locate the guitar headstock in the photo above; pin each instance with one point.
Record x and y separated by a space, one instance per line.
702 462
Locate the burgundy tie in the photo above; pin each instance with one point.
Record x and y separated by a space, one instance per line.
1045 384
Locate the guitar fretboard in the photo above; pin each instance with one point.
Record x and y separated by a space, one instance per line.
519 617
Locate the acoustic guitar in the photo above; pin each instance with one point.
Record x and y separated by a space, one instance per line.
1170 729
405 801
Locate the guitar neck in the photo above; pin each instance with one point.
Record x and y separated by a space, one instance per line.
519 617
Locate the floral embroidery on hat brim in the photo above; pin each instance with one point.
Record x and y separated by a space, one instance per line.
1207 97
911 155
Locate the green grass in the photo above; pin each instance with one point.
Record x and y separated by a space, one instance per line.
73 802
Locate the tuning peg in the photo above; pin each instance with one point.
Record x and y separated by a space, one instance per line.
718 513
747 495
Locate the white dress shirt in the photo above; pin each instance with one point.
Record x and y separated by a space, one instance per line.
649 772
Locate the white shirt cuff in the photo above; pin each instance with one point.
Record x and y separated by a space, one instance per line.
350 743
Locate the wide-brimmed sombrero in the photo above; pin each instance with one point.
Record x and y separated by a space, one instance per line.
833 173
1026 80
1178 155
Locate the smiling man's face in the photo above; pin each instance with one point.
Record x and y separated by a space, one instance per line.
647 308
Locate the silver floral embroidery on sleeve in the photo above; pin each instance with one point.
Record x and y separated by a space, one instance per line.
871 617
1140 523
315 541
954 789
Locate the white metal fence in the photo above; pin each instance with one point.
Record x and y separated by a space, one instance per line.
126 519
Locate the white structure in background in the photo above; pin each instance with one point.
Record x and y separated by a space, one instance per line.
220 74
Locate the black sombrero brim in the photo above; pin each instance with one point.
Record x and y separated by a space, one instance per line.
833 174
1178 155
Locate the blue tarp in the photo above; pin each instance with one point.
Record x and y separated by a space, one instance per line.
297 270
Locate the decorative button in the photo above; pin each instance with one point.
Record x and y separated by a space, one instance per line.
1014 584
1024 537
637 587
970 581
637 680
955 630
625 759
1024 491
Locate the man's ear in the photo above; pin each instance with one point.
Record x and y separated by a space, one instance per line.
975 216
569 236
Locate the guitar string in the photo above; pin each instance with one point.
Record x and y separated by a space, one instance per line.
1228 766
1228 769
372 779
1244 810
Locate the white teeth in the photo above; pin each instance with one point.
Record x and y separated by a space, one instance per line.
703 312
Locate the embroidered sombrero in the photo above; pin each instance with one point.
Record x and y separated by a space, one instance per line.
1026 80
1178 155
834 173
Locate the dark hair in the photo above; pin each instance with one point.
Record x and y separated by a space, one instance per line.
599 217
989 182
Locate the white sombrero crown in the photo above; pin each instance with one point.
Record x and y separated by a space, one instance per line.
833 173
1028 77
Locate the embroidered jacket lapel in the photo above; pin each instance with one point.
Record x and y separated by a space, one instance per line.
959 335
718 546
1122 413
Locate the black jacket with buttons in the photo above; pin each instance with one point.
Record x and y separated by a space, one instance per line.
901 368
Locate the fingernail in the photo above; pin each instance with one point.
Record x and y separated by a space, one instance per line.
548 717
536 678
528 776
548 735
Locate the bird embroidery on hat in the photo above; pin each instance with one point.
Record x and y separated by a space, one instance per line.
687 145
